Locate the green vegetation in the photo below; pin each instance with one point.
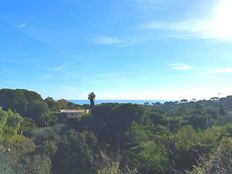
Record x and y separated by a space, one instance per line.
172 138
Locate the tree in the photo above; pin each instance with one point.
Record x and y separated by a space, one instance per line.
111 169
13 124
186 138
187 145
9 124
36 164
91 98
62 104
184 101
37 110
18 100
76 153
222 111
3 121
8 164
137 133
157 118
153 158
110 124
52 104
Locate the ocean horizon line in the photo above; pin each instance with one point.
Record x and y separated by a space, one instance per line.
101 101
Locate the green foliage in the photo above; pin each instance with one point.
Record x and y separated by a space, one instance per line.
158 118
26 103
153 158
187 138
64 104
198 121
174 137
27 127
79 150
8 165
36 164
137 133
37 110
111 169
9 124
17 100
48 147
52 104
110 123
218 162
50 119
40 135
211 135
13 125
20 145
3 121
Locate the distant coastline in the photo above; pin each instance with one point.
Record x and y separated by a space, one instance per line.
81 102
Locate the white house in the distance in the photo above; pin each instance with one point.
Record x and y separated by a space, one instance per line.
74 113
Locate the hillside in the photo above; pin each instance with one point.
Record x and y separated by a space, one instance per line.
171 138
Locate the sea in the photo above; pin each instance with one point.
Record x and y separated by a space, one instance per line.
82 102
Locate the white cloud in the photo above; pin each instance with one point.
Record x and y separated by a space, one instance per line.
180 67
60 67
217 26
107 40
188 26
22 25
188 29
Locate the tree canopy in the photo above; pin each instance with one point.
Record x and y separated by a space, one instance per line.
192 137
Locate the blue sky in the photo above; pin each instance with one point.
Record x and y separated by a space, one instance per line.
134 49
